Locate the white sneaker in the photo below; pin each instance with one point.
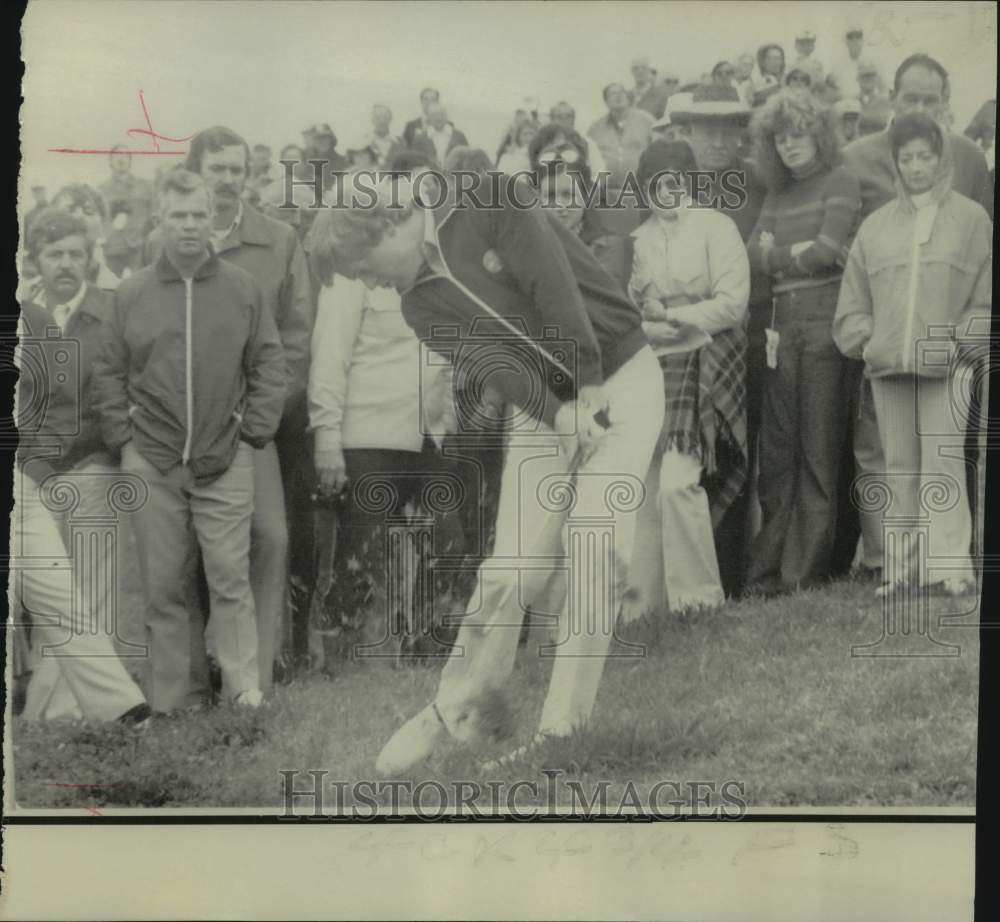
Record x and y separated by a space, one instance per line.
251 698
412 743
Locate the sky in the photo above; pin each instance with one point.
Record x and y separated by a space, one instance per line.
268 69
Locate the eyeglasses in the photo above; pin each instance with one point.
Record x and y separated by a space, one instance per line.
559 155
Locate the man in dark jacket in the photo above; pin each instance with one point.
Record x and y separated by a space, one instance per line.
190 383
76 672
428 96
507 293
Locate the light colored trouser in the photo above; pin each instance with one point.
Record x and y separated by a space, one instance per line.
77 658
869 462
179 516
529 545
268 571
674 543
102 571
922 423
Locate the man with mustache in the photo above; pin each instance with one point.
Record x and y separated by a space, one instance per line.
76 675
270 251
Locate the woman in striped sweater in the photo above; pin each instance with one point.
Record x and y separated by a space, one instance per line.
801 241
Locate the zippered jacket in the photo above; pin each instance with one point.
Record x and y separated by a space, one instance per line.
190 367
522 300
918 282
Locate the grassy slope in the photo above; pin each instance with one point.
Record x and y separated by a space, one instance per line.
762 692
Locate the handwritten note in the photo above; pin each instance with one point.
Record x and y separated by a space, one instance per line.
148 132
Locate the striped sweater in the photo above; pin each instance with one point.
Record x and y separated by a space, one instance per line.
821 208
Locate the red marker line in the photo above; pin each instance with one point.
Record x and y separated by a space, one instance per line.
120 150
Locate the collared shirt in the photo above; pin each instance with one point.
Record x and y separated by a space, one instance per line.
440 138
622 143
62 313
220 236
383 144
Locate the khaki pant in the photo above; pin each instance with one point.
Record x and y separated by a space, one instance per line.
922 423
180 517
533 536
674 544
77 672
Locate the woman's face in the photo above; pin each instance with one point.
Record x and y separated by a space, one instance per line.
560 193
796 150
671 193
774 61
917 164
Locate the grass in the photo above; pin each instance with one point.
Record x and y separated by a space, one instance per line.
762 692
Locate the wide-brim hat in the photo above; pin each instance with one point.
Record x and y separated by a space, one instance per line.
708 102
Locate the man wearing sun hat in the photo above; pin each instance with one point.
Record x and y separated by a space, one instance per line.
713 119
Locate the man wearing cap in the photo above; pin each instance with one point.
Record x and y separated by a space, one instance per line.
713 119
321 144
920 85
647 94
805 45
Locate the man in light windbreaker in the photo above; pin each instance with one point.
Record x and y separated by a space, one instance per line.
191 381
914 301
513 298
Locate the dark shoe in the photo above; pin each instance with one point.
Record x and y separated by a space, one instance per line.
137 717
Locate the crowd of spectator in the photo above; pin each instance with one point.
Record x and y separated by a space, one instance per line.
796 308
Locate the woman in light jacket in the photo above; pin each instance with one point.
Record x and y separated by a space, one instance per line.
914 305
691 278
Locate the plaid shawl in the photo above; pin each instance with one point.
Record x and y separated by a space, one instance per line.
706 413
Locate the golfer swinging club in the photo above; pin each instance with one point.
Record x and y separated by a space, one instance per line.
504 292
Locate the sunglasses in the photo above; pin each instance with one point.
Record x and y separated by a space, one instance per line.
559 155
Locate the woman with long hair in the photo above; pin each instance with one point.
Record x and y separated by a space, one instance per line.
801 241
